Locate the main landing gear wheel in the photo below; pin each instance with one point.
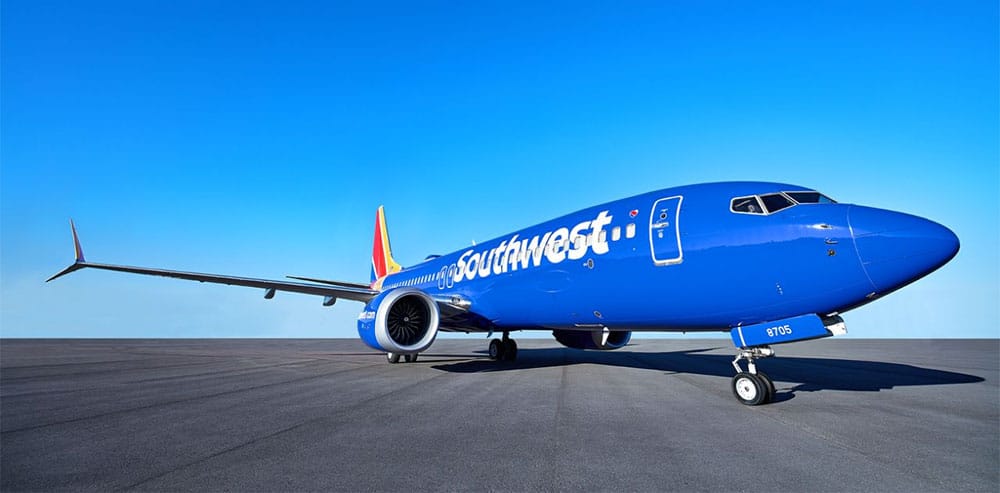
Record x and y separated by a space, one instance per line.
509 350
395 357
496 349
503 349
752 387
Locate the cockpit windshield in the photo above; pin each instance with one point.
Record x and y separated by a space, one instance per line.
748 205
810 198
773 202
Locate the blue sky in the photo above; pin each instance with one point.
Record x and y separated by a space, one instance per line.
258 138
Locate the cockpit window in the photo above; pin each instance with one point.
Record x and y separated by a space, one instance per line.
746 205
810 198
774 202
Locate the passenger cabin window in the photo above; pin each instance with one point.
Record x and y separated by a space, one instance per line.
810 198
774 202
746 205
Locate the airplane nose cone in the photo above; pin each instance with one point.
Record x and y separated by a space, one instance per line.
896 249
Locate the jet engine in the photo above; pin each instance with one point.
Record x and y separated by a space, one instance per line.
401 321
593 339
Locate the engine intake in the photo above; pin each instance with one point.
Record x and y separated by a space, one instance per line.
593 339
402 320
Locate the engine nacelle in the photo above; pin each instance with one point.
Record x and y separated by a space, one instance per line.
403 320
593 339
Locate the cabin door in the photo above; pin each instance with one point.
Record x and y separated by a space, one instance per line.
664 235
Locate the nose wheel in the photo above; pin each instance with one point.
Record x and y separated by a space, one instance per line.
752 390
503 349
752 387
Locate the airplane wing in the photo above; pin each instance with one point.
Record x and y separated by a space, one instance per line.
347 291
332 283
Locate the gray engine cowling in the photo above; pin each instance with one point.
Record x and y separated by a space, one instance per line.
593 339
402 321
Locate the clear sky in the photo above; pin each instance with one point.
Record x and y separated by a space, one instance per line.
258 139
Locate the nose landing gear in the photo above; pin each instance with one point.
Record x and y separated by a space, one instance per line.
752 387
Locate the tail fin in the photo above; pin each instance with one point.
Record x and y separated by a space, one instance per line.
382 262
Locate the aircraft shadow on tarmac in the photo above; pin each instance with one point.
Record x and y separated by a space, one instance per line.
804 374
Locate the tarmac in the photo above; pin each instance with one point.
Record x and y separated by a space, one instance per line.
332 415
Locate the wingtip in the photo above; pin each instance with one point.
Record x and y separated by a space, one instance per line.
72 268
79 263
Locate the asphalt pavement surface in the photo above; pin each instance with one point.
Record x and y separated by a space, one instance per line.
332 415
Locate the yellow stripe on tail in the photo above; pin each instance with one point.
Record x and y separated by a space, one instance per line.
382 262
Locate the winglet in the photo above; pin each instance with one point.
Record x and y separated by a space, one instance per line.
76 243
80 262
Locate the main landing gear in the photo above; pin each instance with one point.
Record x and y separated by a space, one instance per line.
503 349
752 387
394 357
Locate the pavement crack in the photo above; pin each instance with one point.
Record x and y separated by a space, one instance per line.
553 462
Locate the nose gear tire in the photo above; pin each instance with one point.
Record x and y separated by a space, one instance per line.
749 389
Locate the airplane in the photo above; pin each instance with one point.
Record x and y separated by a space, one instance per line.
769 263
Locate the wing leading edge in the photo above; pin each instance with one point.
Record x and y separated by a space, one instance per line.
347 291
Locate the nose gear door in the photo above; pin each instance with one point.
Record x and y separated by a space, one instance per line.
664 232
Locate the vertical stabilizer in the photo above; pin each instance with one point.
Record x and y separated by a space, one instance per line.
382 262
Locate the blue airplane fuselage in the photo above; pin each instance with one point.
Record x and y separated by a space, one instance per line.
681 259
